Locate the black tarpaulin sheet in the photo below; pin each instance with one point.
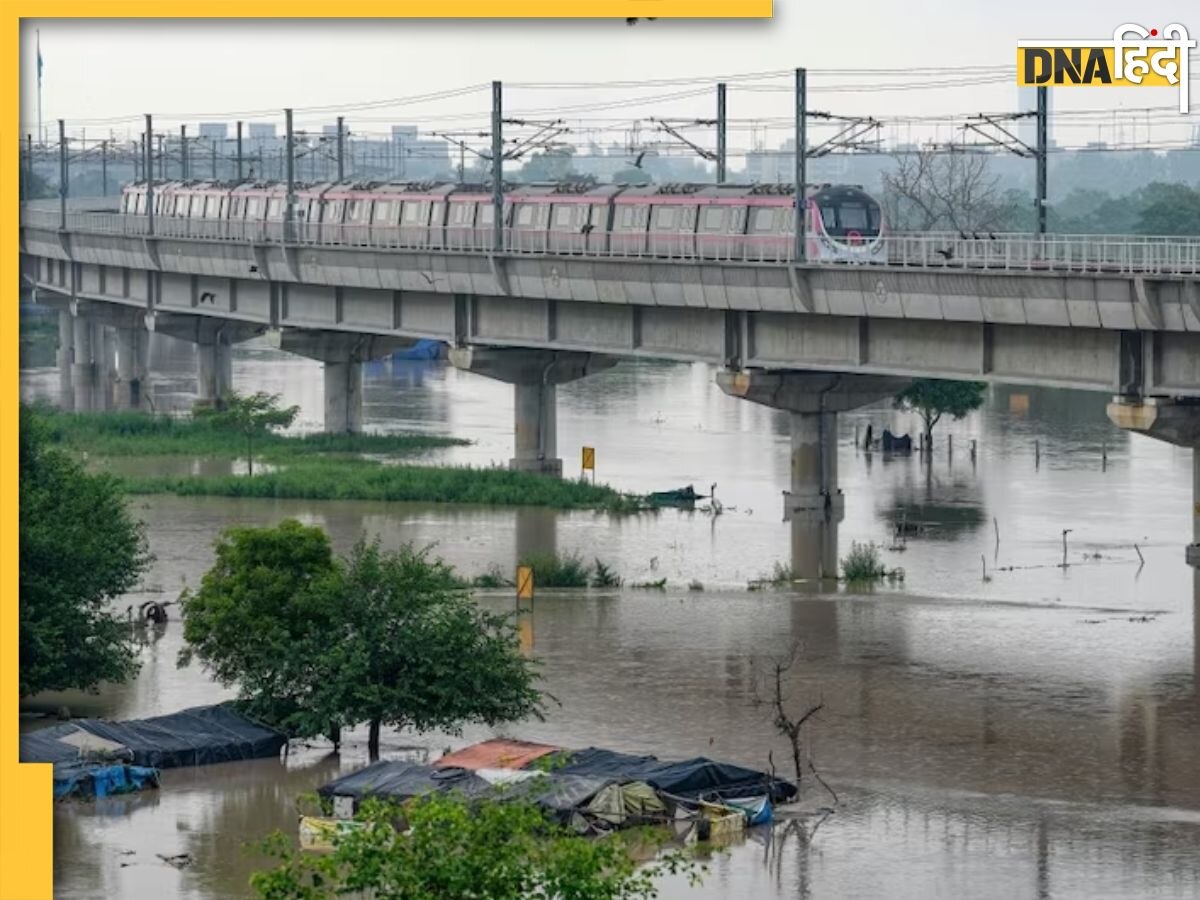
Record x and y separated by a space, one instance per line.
396 780
193 737
692 778
557 793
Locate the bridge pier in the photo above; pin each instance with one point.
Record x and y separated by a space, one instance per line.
1176 421
343 355
89 372
215 339
534 375
66 358
814 399
133 351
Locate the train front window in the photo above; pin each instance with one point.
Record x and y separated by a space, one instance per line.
829 218
853 217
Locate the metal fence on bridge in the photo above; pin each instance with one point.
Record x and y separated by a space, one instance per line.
1079 253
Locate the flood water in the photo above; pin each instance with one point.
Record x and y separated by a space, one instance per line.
1031 735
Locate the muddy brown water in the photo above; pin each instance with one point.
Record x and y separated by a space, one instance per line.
1033 735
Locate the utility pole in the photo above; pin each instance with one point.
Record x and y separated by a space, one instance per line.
721 161
63 174
341 149
239 151
214 160
162 160
497 168
104 168
1042 146
28 180
291 177
148 143
183 153
801 149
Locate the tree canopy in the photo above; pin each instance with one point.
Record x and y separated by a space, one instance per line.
250 415
79 549
499 850
317 644
932 398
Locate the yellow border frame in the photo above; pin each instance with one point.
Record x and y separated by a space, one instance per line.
26 811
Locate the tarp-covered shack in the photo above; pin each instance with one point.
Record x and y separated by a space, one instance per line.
194 737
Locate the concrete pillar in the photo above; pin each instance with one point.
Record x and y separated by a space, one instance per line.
535 429
814 450
814 549
214 370
534 375
104 354
66 358
1176 421
343 355
133 349
343 397
83 372
814 400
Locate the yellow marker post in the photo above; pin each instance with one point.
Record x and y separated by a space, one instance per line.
524 582
589 461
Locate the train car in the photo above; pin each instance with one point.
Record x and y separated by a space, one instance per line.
744 222
569 217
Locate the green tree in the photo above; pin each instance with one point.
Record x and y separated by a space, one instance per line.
251 415
412 650
1172 209
79 549
497 850
316 644
256 621
932 398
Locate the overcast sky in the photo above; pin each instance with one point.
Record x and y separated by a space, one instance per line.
102 74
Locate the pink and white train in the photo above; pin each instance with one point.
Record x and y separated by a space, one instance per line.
688 221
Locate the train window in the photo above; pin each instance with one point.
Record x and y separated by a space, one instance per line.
383 212
765 220
628 217
212 207
563 215
252 208
873 212
829 217
712 219
412 211
665 218
235 208
525 214
273 208
486 216
853 216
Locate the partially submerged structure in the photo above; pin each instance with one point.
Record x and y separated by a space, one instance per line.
94 757
591 791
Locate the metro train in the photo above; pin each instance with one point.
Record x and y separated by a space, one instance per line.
680 221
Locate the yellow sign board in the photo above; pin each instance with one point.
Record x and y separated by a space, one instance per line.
524 582
589 458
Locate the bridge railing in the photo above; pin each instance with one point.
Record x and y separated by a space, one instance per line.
931 250
1047 253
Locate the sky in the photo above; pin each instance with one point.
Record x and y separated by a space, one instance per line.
864 59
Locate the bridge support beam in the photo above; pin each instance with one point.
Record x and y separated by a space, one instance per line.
133 353
214 339
534 375
65 359
814 503
343 355
1176 421
85 373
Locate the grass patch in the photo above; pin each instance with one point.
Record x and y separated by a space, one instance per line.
604 577
781 576
863 565
352 479
492 578
659 585
554 571
142 434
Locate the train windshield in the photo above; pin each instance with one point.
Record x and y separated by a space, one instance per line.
848 213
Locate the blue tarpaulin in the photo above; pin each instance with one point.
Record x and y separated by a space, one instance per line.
86 780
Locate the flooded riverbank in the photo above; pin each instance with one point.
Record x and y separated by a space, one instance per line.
1028 736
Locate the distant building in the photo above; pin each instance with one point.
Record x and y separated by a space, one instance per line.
213 131
261 131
